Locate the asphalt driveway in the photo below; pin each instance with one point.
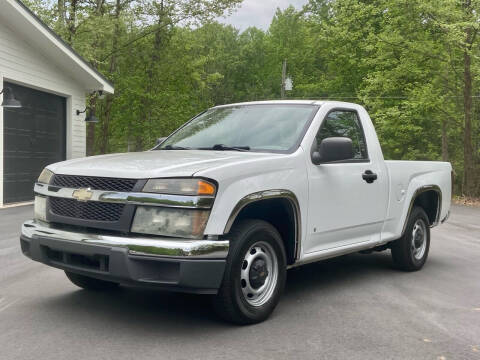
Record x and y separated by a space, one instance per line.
353 307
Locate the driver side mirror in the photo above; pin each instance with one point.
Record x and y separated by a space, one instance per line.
333 149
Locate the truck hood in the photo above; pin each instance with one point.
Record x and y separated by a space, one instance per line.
154 164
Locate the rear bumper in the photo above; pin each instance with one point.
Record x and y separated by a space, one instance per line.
173 264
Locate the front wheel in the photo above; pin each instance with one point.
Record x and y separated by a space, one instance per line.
255 273
410 252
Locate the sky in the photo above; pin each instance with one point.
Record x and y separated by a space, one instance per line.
258 13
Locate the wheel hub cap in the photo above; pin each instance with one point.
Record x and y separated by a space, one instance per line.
259 273
419 239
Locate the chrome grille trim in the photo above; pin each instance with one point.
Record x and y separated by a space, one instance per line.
135 198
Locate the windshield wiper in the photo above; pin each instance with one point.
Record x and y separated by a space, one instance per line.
222 147
174 147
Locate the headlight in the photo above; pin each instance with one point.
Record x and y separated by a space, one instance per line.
187 186
40 208
45 176
188 223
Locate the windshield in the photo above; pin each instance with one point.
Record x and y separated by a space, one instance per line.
268 128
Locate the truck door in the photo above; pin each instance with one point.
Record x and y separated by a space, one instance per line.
347 199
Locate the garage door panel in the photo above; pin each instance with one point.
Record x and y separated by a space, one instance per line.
34 136
20 187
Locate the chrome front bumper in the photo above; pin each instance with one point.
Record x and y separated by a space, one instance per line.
170 264
135 245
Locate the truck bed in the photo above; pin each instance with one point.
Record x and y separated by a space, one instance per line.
406 177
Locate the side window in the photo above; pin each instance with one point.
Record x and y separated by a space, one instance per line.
341 123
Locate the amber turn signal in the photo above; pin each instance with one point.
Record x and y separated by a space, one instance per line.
205 188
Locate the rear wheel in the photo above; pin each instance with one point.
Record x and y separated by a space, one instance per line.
89 283
255 273
410 252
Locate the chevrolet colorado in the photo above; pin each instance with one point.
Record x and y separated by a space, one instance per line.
231 200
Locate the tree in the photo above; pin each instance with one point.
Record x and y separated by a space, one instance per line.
413 64
410 64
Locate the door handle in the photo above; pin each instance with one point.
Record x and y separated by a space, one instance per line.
369 176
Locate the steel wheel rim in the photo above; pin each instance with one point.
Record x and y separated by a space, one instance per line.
260 256
419 239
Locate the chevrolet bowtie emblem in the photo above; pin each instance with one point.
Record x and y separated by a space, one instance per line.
83 194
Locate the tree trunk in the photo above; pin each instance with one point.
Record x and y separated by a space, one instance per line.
444 141
116 35
72 28
90 139
93 101
61 13
104 148
468 168
157 44
92 104
99 7
139 142
112 68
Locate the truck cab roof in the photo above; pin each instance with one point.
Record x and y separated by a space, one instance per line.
290 102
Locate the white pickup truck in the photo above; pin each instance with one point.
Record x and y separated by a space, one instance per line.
231 200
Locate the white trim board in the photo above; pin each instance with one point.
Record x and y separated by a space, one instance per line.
27 203
17 16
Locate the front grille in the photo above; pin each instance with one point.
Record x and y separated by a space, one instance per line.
91 210
94 183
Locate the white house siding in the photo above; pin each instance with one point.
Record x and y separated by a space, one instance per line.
22 64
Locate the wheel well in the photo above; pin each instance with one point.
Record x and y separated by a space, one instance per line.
281 214
430 201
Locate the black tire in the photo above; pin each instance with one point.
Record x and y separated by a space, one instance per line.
89 283
403 252
230 303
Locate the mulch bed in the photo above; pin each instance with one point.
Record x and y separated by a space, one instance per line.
465 200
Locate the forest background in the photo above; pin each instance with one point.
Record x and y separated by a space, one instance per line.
415 66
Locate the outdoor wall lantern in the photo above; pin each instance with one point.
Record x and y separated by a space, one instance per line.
9 100
90 118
